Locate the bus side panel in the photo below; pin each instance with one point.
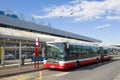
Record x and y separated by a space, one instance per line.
70 65
85 62
106 58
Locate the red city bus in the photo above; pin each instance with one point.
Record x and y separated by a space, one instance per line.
65 55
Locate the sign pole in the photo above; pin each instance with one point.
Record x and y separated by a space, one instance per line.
37 48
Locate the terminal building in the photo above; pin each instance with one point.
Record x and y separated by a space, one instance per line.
17 36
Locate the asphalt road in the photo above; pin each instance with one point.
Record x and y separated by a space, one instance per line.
102 71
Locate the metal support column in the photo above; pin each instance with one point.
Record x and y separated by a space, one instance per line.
43 50
20 61
3 54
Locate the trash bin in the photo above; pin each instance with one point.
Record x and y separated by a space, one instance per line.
22 60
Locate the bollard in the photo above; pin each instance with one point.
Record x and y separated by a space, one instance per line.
23 61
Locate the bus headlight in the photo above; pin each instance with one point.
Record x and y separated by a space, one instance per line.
61 63
45 61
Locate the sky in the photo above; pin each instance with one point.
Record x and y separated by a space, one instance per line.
99 19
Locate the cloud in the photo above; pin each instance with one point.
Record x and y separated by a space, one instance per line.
84 10
102 26
113 17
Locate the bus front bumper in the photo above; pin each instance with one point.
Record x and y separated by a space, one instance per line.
54 66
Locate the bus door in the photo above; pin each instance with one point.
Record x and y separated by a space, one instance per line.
101 53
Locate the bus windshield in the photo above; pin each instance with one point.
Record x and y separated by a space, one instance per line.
55 50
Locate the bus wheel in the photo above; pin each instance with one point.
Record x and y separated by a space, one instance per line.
97 60
109 58
77 64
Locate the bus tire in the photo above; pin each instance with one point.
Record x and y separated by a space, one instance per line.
109 58
97 60
77 64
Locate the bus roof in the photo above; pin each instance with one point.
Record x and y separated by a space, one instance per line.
75 43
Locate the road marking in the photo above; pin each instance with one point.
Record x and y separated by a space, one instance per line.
23 77
40 75
62 74
52 75
48 76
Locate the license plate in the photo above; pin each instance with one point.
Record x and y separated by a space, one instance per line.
52 66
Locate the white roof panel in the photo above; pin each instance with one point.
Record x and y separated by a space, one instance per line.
4 20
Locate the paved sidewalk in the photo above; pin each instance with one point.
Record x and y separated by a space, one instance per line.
12 70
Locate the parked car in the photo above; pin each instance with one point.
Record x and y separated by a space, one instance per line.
17 55
22 55
8 56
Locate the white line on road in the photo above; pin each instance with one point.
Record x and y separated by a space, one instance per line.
62 74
